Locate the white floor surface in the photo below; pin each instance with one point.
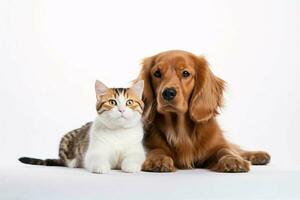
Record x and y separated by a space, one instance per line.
39 182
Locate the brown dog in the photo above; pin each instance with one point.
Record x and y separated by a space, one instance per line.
182 97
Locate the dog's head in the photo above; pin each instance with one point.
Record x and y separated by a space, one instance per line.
180 82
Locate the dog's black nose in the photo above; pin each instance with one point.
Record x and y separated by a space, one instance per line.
169 94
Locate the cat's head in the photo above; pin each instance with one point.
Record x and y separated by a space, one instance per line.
119 107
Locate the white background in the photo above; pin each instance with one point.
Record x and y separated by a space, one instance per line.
51 52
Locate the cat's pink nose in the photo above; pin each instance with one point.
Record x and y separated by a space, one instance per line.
121 110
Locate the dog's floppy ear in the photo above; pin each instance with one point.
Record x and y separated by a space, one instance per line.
207 96
148 94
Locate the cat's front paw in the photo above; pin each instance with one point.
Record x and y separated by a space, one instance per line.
99 169
131 167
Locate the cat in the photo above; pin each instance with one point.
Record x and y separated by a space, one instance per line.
112 141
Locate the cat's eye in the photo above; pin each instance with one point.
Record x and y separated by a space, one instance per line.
129 102
157 74
185 74
112 102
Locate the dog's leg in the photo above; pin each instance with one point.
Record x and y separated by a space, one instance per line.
226 159
256 157
159 155
158 161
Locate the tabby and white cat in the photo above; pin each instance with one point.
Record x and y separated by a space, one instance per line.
112 141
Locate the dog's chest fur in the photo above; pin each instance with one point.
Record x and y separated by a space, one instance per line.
179 134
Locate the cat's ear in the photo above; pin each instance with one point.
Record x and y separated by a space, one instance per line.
138 88
100 89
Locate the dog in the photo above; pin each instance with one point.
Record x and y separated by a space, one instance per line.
182 98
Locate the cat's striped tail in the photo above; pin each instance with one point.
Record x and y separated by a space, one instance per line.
46 162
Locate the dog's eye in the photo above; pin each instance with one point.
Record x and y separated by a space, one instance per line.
185 74
157 74
112 102
129 102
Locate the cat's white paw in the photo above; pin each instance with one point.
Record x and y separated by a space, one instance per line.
131 167
99 169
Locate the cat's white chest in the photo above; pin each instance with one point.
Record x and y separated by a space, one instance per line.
118 139
116 144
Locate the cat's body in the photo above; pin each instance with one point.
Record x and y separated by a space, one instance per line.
112 141
115 149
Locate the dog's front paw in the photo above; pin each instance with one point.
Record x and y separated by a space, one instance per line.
230 163
159 163
257 157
